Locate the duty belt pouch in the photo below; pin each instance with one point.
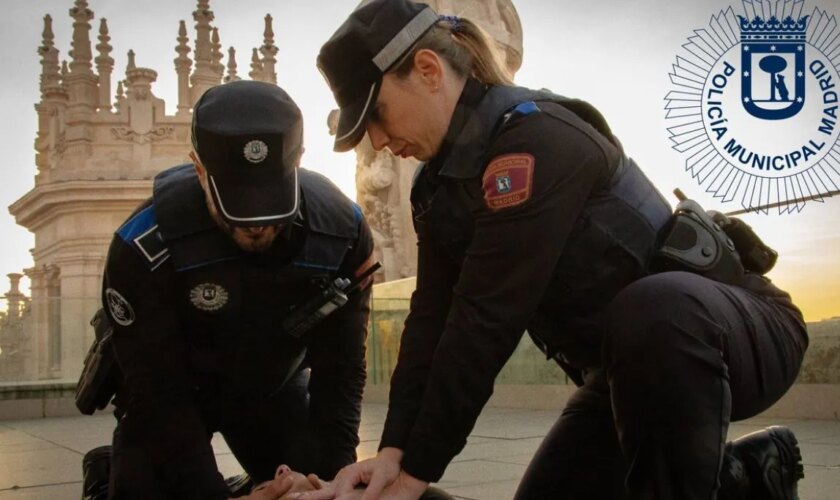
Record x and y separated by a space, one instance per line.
693 242
100 376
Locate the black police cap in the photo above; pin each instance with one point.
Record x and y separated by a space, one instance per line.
249 137
361 51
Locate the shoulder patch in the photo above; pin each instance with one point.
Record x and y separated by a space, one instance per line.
508 180
120 309
141 232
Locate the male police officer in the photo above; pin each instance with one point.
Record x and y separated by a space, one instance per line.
198 283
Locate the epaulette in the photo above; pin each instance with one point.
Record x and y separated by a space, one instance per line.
141 233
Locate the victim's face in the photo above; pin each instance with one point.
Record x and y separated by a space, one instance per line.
297 481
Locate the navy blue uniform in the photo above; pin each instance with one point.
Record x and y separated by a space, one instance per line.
198 336
531 217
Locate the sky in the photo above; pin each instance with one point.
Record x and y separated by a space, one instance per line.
615 54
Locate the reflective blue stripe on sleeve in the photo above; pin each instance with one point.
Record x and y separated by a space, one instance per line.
137 225
526 108
357 213
310 265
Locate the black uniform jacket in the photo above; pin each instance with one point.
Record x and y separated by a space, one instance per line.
197 328
538 228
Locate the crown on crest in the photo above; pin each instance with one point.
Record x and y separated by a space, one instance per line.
773 29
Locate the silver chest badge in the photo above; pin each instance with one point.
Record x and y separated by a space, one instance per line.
256 151
209 296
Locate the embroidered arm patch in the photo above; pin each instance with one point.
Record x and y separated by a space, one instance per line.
151 246
141 232
507 181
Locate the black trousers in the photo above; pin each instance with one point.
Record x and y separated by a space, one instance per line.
682 356
261 434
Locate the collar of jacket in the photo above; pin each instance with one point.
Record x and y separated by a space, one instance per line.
463 155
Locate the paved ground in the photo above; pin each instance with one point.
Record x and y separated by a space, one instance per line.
41 459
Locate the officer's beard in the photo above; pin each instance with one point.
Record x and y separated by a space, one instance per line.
249 239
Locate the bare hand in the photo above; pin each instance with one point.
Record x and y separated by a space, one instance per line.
377 473
406 487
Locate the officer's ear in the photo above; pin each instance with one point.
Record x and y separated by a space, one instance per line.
302 150
199 168
429 67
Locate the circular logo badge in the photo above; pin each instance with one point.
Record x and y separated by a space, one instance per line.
209 296
120 309
256 151
754 106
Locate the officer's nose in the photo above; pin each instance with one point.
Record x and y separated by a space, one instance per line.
256 230
378 138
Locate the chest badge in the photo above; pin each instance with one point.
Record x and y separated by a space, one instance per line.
209 296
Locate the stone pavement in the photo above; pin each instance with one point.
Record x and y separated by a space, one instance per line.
41 458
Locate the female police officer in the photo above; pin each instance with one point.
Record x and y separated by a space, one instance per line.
530 216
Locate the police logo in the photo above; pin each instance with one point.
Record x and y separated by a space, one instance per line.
503 184
209 297
120 309
754 105
256 151
770 65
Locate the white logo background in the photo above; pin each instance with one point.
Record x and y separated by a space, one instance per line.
705 114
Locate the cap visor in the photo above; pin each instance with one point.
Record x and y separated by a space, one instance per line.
351 120
266 199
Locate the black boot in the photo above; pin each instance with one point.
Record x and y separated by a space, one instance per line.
96 469
734 484
772 462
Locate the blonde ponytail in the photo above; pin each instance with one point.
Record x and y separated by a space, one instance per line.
467 49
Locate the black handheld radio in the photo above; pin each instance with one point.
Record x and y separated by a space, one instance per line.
305 316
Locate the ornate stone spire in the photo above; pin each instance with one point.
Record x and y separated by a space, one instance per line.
53 96
256 72
204 75
50 69
82 83
104 66
182 67
231 66
131 62
269 51
81 54
218 67
138 80
119 97
65 74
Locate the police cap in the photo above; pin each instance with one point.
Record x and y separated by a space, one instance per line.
249 137
375 37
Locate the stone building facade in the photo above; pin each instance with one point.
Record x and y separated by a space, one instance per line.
97 149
